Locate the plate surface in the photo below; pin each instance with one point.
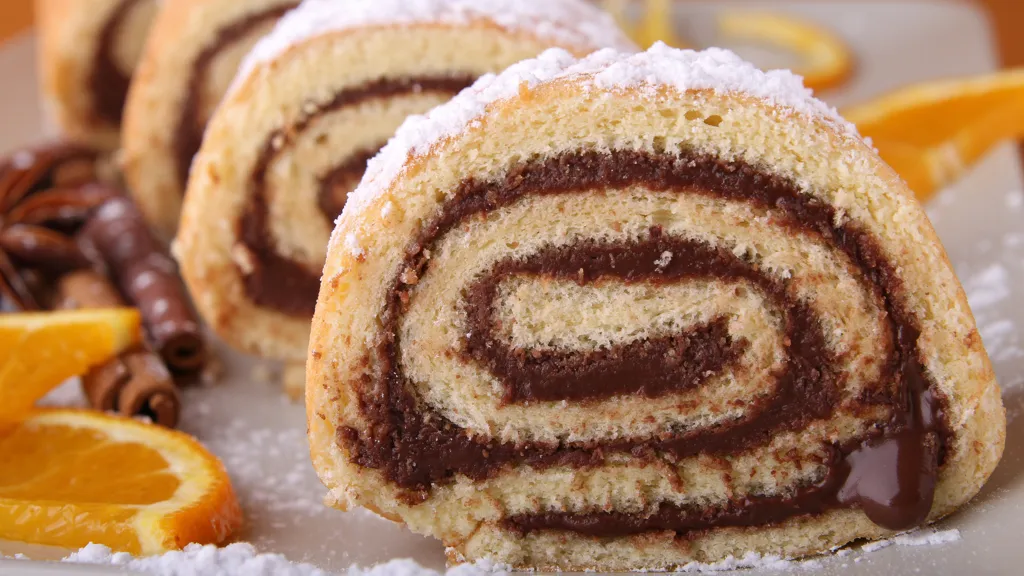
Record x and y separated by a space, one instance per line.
261 437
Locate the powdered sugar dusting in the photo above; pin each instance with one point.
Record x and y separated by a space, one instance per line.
926 537
661 66
67 395
876 546
268 493
353 246
406 567
988 290
574 24
242 559
988 287
752 560
234 560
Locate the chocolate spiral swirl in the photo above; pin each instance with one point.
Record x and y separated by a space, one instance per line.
189 134
272 279
887 469
108 82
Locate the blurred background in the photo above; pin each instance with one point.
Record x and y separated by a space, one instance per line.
1006 16
851 52
823 40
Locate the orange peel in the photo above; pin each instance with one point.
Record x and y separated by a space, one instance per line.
932 133
826 60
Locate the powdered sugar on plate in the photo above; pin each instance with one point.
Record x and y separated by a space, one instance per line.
233 560
406 567
988 290
988 287
752 560
280 494
661 66
988 282
989 259
242 559
570 23
926 537
67 395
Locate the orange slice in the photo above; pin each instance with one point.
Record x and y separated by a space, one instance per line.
656 23
617 8
826 61
71 477
932 133
38 351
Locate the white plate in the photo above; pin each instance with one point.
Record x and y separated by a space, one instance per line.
262 438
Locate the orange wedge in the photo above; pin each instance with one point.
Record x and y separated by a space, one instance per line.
826 61
38 351
932 133
71 477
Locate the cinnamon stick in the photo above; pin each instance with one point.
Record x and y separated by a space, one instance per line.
147 276
136 383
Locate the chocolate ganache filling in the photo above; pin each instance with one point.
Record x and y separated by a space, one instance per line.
651 367
188 136
336 184
275 281
890 473
108 83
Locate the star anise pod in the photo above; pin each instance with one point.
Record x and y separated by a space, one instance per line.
46 193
